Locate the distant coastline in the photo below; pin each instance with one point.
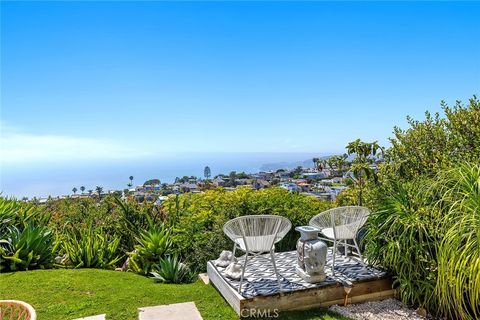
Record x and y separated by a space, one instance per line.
44 179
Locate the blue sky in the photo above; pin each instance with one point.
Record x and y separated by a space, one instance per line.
104 80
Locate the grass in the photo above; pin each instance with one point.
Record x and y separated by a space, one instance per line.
68 294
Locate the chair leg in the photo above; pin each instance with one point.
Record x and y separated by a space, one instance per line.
272 255
243 271
233 252
333 256
358 250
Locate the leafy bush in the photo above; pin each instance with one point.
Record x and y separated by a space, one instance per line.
90 248
116 218
171 270
152 244
436 143
26 249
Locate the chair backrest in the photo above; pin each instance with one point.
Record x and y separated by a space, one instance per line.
345 221
258 232
16 310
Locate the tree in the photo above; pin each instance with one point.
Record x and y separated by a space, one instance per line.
74 190
82 189
207 173
90 192
365 153
232 176
338 164
152 182
131 181
99 190
320 164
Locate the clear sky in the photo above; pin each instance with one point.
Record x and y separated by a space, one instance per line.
102 80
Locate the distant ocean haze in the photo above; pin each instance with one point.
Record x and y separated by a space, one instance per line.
44 179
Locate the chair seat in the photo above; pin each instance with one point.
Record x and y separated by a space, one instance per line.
342 233
257 243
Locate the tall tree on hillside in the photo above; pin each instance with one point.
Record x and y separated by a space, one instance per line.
74 190
131 181
207 173
99 190
82 189
315 160
365 153
233 177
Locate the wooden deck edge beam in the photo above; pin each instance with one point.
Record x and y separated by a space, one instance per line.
226 291
373 289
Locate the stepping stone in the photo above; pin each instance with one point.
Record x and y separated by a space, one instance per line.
176 311
97 317
204 278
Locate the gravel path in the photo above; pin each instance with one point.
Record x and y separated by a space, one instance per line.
389 309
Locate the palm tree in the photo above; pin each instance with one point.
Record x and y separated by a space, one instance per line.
320 164
99 190
338 164
90 192
82 189
74 190
131 181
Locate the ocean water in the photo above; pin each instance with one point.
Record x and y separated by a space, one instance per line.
55 178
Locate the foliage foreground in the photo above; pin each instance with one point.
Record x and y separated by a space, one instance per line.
425 225
69 294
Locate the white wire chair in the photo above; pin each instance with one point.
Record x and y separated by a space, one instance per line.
340 225
16 310
257 234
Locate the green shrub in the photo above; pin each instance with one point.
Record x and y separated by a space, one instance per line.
401 237
427 233
90 248
458 282
171 270
151 246
123 219
436 143
26 249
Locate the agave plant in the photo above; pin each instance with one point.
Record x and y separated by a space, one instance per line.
26 249
90 248
8 212
171 270
151 245
19 215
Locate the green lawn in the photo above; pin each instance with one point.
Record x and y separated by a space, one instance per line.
68 294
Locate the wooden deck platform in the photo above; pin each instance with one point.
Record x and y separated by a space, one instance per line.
260 290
